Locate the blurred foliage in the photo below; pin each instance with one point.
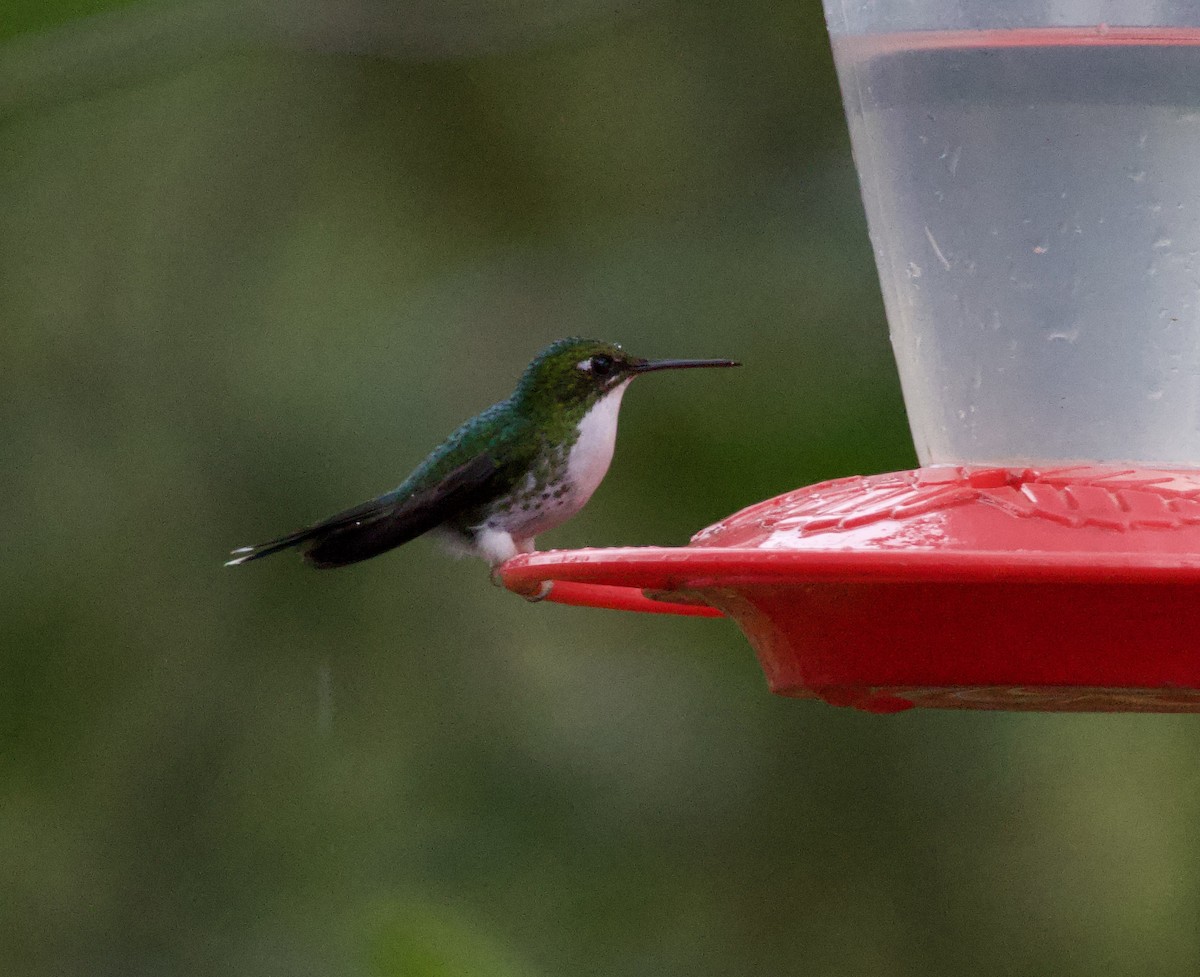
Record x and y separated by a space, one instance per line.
24 16
254 263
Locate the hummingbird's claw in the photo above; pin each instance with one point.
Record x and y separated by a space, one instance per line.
542 592
533 596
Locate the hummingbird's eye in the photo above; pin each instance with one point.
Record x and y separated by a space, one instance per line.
602 365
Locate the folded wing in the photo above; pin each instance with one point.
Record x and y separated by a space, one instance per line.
386 522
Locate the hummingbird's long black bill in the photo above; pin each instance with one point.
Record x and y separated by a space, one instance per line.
649 365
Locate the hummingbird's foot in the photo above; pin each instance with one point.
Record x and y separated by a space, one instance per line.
542 592
527 591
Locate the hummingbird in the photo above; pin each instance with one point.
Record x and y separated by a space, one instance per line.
517 469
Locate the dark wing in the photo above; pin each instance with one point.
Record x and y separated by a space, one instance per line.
387 522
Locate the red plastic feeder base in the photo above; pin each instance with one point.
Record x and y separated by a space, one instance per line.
973 588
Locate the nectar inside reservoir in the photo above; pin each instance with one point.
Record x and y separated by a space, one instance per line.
1034 204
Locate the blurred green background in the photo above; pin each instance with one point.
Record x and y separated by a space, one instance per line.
255 260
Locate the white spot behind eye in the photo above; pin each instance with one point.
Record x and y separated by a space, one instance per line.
585 365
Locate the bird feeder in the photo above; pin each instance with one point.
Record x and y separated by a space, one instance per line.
1032 189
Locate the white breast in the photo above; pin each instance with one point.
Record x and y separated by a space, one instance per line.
591 454
587 463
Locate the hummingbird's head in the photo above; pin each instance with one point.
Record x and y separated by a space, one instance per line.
573 374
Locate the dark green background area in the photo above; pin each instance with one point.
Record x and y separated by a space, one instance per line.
257 259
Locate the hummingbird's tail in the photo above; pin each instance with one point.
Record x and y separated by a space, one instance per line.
383 523
244 554
348 537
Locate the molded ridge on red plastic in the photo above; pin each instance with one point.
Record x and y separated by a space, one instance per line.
1072 588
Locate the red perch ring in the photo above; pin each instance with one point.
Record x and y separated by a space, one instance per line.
986 588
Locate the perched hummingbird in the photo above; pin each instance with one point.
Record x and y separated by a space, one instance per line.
520 468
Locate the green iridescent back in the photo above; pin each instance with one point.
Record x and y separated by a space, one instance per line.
519 433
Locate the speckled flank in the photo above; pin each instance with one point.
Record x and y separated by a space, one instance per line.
564 476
